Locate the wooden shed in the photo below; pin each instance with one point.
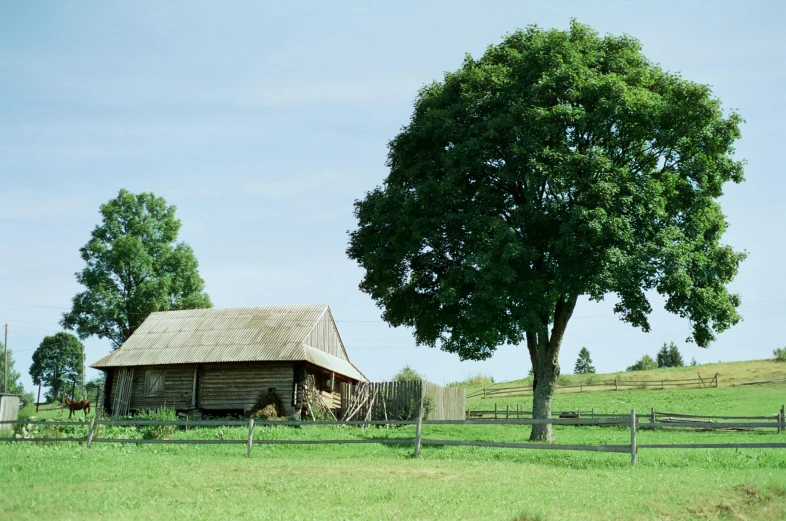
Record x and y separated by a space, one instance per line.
229 361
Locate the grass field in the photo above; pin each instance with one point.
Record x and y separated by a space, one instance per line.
68 481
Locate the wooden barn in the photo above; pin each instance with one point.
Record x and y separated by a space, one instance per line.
230 361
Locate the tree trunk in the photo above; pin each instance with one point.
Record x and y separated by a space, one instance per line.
548 371
544 353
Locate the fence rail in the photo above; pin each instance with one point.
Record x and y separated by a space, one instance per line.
699 381
631 421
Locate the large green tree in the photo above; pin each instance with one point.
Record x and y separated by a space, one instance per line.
560 164
134 267
57 363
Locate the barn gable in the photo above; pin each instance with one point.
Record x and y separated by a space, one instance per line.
324 336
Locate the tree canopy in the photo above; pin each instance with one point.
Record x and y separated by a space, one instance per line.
584 363
134 267
559 164
57 362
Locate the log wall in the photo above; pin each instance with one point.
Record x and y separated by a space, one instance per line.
237 386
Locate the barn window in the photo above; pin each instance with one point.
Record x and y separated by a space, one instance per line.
154 382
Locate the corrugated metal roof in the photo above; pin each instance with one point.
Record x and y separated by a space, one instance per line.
333 363
262 333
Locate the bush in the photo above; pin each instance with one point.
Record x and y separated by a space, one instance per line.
645 364
478 379
158 432
408 374
780 354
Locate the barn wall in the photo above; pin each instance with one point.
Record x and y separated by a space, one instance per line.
324 336
113 387
178 387
238 386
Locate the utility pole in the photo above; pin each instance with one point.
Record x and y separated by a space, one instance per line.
5 361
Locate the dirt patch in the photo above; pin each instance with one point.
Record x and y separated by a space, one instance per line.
744 502
527 517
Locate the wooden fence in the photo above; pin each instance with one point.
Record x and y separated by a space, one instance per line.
631 421
401 401
676 419
616 384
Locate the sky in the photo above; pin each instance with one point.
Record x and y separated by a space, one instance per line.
264 121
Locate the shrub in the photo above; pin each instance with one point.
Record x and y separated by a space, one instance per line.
780 354
478 379
158 432
645 364
408 374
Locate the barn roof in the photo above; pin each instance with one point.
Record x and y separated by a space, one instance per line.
304 333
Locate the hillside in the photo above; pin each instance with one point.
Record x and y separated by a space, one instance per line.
728 398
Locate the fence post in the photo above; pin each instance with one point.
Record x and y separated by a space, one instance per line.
90 432
716 379
593 413
495 410
783 419
615 384
98 398
633 448
662 382
418 427
484 392
250 436
507 412
39 397
652 415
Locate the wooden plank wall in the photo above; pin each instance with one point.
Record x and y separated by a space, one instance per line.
324 336
446 403
401 400
238 386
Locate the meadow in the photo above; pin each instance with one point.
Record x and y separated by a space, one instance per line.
130 481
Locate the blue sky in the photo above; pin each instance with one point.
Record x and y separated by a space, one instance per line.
263 122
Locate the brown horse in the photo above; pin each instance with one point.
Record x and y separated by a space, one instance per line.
74 405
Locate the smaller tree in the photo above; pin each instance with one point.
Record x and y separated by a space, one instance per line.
645 364
408 374
14 385
675 357
57 362
693 362
780 354
669 356
663 356
584 363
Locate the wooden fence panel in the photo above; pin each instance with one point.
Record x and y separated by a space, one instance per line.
402 400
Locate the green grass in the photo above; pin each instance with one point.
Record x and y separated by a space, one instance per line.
129 481
384 482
